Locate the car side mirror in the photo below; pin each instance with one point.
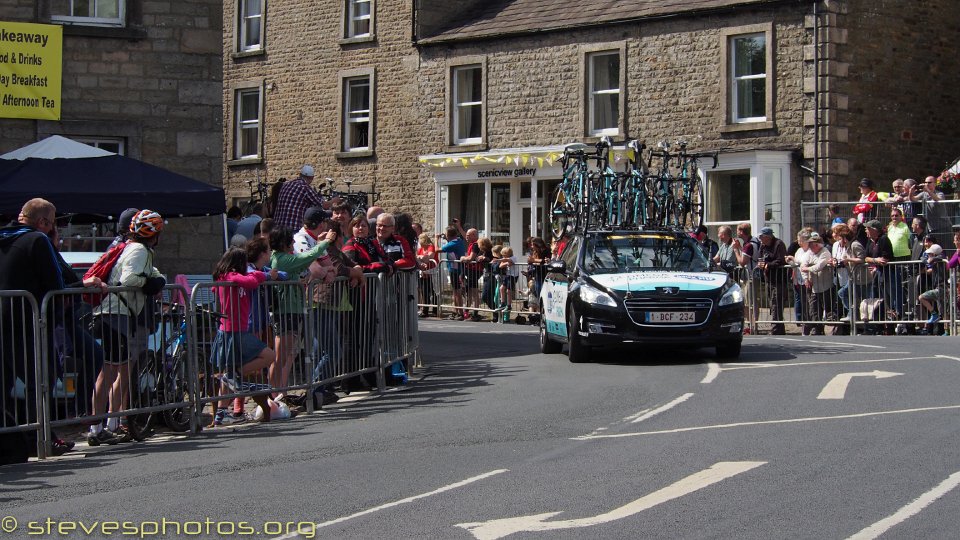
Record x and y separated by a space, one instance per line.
558 267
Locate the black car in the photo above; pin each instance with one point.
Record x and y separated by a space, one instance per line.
653 287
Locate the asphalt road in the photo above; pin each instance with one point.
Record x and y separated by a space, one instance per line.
801 438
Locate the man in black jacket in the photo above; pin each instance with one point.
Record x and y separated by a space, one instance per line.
28 262
770 265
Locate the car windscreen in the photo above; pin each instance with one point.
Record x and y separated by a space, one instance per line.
606 254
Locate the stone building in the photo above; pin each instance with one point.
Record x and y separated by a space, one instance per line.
486 94
142 79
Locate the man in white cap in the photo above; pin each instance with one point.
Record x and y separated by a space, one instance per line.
294 198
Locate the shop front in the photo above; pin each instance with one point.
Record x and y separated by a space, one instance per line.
505 194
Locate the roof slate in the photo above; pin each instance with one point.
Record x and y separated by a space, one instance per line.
507 17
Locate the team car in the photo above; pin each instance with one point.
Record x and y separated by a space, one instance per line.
638 286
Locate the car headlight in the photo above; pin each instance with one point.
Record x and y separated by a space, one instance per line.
734 295
592 295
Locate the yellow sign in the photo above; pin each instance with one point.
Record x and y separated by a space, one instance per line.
31 61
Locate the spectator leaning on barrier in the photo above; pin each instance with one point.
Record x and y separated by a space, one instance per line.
747 249
123 316
427 258
453 249
236 351
933 284
288 314
879 253
859 286
818 280
28 261
795 251
473 263
770 264
294 197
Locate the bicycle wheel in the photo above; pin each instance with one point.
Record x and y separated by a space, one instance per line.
695 203
561 213
175 390
143 394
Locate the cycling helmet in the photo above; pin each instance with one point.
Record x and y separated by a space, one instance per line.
146 224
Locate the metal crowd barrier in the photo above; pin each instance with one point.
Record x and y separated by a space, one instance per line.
21 376
77 359
457 287
868 298
98 363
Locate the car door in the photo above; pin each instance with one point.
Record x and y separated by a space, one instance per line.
556 287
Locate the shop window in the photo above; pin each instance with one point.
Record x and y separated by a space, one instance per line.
247 125
603 99
250 26
728 197
88 12
358 19
467 104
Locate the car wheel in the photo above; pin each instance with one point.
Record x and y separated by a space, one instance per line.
729 350
547 345
577 352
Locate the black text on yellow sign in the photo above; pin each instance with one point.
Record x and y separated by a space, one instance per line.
31 61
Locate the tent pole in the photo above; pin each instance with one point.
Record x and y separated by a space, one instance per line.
226 241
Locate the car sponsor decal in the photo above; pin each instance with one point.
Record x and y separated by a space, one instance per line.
649 281
554 304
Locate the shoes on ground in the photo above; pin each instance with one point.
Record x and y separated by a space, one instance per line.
475 317
934 319
845 318
123 434
104 437
61 447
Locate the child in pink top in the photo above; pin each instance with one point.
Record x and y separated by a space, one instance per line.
236 351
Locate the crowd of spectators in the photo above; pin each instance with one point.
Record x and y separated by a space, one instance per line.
857 266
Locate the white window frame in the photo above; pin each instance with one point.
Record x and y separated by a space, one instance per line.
734 79
242 18
351 19
94 20
458 106
100 142
358 116
593 92
240 124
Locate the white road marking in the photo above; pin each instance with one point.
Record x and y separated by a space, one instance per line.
837 387
857 345
662 408
948 357
401 501
764 422
910 510
713 369
499 528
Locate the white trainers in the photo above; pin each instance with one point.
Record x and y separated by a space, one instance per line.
845 318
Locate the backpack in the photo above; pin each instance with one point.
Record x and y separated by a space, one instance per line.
101 269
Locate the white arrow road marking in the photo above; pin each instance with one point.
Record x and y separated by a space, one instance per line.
837 387
398 503
910 510
499 528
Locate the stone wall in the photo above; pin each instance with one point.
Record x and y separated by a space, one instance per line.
301 72
157 84
900 68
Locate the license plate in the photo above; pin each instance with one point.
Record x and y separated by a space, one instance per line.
671 316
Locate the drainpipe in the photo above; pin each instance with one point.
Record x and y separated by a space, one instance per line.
816 101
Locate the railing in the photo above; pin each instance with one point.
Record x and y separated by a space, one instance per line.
69 363
456 288
898 297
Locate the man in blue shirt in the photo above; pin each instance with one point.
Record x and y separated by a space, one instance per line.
453 249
